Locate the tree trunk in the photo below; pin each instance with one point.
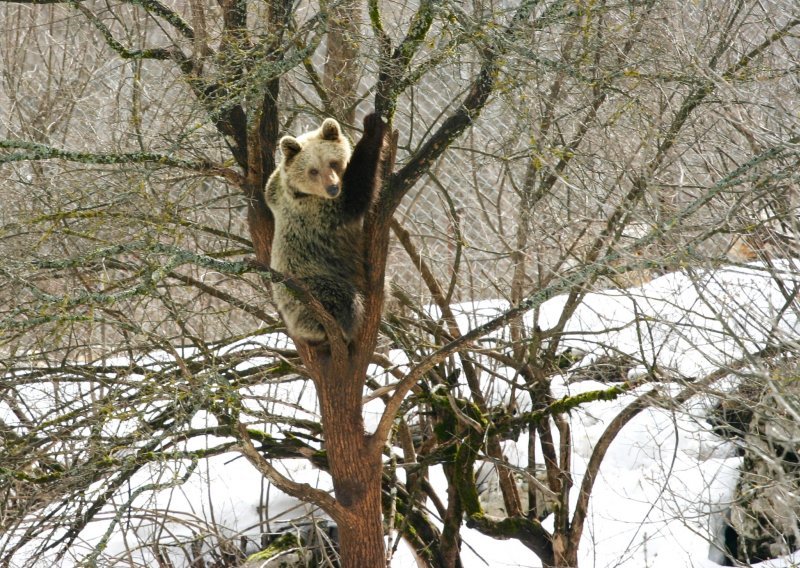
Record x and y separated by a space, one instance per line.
342 64
354 463
565 552
361 541
261 225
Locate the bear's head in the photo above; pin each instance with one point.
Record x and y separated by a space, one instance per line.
314 162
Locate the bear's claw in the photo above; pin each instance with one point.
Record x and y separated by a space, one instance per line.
374 126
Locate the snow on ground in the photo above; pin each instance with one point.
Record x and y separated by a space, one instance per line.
662 490
656 503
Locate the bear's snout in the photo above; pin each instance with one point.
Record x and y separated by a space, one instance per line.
332 190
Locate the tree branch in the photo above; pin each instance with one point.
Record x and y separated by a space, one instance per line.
32 151
394 68
169 53
231 299
559 286
302 491
469 109
157 8
151 6
402 180
537 299
598 455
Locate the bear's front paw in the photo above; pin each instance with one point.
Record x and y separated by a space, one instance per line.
374 127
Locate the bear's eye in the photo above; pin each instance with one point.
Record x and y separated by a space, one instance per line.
313 171
335 165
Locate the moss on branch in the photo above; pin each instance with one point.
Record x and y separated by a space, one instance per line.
568 403
31 151
285 543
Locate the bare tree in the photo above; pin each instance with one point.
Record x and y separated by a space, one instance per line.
543 149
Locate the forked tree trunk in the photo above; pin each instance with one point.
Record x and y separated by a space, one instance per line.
354 458
354 463
339 374
565 552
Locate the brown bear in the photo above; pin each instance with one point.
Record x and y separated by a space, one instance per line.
319 194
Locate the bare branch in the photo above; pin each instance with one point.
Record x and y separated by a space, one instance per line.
160 9
32 151
302 491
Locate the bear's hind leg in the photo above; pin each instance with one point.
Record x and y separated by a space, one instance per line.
341 300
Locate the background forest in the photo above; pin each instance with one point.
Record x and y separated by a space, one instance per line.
546 151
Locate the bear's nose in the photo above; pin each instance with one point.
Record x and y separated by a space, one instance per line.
333 190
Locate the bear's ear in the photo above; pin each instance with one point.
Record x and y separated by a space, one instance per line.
331 130
290 147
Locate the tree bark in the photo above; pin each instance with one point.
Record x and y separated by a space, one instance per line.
564 555
355 464
342 64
